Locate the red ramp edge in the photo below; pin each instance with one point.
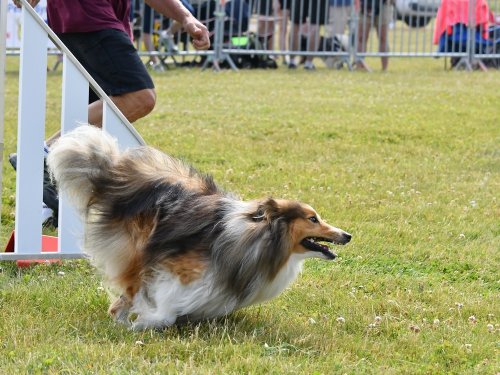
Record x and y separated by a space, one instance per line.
49 245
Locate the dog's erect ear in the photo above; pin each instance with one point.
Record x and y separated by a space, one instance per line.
266 211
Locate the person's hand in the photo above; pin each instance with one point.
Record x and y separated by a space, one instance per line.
198 33
33 3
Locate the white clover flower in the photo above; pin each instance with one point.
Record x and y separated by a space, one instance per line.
340 319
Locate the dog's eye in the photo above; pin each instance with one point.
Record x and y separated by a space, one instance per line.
314 219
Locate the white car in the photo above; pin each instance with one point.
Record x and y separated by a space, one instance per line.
416 13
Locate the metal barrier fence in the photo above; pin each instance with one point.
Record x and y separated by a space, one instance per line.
31 132
340 32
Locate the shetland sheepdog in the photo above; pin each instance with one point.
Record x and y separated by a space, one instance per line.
173 244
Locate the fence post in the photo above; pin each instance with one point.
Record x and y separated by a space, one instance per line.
30 136
3 55
75 96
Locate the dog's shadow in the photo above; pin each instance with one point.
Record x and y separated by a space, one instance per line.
252 325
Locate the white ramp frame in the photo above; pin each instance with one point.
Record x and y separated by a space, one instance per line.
31 131
3 55
75 96
30 135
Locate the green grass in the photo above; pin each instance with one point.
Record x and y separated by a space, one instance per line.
407 161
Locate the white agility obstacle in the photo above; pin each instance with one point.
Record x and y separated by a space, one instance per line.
31 130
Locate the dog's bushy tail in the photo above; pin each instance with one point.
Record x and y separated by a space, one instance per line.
78 159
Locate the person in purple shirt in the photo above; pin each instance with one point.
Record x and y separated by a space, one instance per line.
98 33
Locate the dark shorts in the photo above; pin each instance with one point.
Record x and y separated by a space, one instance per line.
263 7
111 59
148 19
286 4
314 10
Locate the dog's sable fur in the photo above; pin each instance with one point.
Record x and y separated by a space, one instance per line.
171 242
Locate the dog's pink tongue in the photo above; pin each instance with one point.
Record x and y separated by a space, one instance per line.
326 248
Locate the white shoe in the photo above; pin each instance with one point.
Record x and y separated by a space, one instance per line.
308 65
46 213
158 67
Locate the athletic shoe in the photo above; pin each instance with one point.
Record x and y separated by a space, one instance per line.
308 65
47 217
50 194
158 67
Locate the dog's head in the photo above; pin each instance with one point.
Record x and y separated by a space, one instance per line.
307 232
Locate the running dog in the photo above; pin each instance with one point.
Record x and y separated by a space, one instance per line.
172 243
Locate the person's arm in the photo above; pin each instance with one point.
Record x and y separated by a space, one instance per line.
33 3
175 10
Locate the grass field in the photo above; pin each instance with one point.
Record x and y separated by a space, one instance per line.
407 161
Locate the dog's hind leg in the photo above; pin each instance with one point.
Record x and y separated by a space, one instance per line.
151 314
141 324
120 310
150 317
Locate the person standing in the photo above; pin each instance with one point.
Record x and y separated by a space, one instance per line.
377 13
308 15
98 34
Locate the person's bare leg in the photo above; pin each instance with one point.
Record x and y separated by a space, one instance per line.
53 138
175 27
134 105
363 34
148 43
383 45
313 44
265 30
283 29
294 42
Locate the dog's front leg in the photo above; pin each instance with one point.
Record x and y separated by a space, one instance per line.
120 310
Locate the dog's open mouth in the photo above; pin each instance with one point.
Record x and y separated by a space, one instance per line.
313 244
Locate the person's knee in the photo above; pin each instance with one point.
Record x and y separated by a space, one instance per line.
141 103
147 101
136 105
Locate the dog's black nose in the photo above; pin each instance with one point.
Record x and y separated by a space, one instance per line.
346 237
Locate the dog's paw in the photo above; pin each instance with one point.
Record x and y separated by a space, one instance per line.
142 325
120 310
